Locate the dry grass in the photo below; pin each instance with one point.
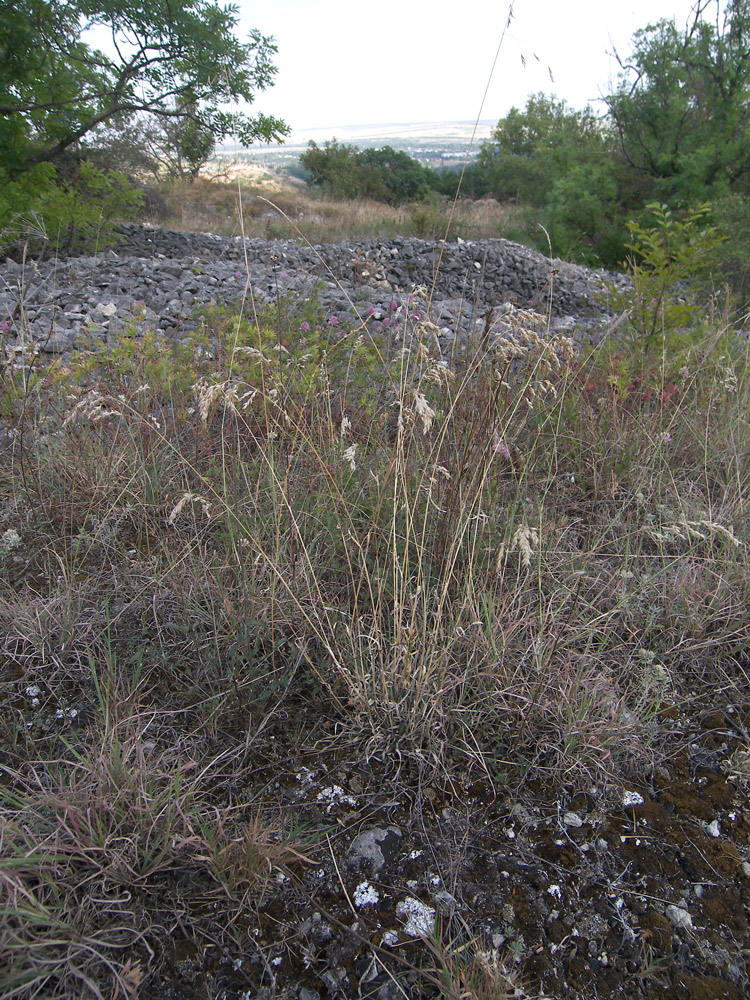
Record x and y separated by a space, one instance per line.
510 565
212 205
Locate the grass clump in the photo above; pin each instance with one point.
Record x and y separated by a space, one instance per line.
213 204
513 561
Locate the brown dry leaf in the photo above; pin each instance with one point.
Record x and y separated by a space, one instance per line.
131 977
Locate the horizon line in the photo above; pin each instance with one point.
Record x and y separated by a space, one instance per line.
436 121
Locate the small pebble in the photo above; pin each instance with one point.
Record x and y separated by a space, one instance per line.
679 918
632 799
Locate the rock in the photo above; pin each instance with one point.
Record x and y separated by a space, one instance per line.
173 275
418 917
57 342
377 846
572 819
105 310
679 918
630 798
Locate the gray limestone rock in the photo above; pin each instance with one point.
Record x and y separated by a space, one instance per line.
164 278
376 847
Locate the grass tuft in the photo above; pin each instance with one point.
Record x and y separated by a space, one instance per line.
512 562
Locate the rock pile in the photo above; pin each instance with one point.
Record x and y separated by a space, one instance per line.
162 279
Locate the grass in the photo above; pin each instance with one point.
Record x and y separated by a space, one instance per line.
513 564
212 205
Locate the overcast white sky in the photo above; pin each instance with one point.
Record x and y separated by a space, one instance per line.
348 62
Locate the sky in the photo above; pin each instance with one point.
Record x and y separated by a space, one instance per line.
345 62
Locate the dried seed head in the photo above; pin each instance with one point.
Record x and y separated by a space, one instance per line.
424 411
93 407
185 499
525 541
208 397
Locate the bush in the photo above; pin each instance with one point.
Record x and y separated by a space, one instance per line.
731 215
386 174
670 255
38 211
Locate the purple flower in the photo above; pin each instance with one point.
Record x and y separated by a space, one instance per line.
387 321
394 305
239 274
284 274
417 315
333 321
304 326
370 310
501 448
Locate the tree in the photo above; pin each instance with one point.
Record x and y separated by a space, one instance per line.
405 178
384 174
559 163
532 148
682 106
183 145
333 167
180 62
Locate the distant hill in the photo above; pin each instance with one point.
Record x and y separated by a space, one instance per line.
435 144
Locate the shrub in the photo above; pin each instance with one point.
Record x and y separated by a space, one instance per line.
38 211
385 174
670 254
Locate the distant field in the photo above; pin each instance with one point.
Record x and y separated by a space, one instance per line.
434 144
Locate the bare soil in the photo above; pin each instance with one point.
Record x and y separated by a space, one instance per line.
629 888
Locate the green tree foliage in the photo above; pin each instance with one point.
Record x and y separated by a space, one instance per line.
37 211
385 174
676 132
682 106
560 162
731 260
181 145
530 148
669 253
404 178
70 111
474 181
173 61
334 168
